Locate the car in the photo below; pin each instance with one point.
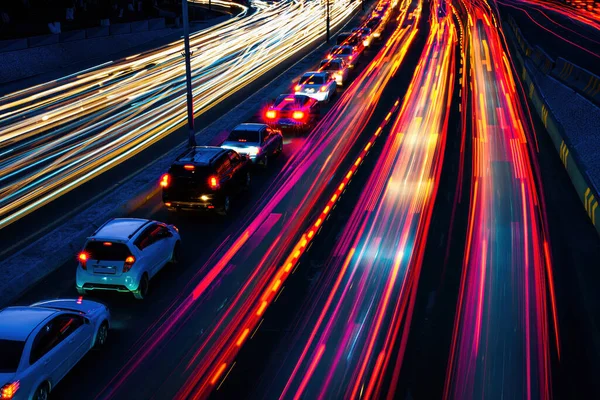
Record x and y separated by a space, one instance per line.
351 39
365 34
124 254
376 25
41 343
346 53
257 141
338 68
293 111
382 11
205 178
318 85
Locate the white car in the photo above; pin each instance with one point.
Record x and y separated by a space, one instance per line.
257 141
349 54
124 254
41 343
318 85
337 68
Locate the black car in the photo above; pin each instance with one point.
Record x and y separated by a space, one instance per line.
205 178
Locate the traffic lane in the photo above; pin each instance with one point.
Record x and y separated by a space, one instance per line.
575 248
201 234
23 232
556 34
131 317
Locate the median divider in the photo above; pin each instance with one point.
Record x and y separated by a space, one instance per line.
584 186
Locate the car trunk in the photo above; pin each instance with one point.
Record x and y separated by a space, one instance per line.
188 185
106 257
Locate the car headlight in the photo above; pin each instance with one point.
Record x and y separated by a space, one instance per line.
337 76
252 151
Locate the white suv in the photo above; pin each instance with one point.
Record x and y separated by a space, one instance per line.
125 253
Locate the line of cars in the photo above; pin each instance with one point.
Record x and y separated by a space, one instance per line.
41 343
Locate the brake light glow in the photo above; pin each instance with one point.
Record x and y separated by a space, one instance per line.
271 114
350 57
83 257
128 263
298 87
329 56
298 114
213 182
9 390
107 244
188 167
165 180
323 88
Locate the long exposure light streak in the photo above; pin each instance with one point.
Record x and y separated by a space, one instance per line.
255 258
56 136
363 310
502 335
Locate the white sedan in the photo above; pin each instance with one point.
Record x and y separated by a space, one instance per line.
41 343
124 254
337 68
318 85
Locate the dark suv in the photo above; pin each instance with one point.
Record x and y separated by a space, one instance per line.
205 178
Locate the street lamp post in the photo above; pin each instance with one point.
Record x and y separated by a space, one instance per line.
327 21
188 74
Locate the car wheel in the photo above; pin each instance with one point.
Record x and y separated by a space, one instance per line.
176 256
227 204
279 148
42 392
101 335
265 161
142 290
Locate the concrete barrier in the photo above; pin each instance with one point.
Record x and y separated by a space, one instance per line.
542 60
156 23
587 192
43 40
120 29
96 32
71 36
139 26
13 45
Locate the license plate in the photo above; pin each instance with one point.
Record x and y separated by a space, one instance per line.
105 270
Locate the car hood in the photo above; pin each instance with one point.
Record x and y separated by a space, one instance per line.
84 306
6 377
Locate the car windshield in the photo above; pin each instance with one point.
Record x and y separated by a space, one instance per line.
331 65
243 136
107 251
11 351
312 80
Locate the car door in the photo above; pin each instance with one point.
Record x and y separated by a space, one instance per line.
79 334
238 176
50 352
149 256
163 245
225 172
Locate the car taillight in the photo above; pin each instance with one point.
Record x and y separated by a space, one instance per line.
323 88
213 182
329 56
9 390
165 181
298 87
128 263
271 114
188 167
83 257
350 57
298 114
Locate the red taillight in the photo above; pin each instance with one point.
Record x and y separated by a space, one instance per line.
9 390
83 257
128 263
323 88
350 57
298 87
213 182
271 114
165 181
188 167
298 115
329 56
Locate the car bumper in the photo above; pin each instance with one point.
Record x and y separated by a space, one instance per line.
210 204
319 96
123 283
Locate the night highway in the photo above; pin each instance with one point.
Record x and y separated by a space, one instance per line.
418 233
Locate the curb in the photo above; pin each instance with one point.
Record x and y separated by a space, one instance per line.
587 192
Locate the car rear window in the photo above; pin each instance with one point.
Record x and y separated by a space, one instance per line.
373 23
331 65
109 251
312 80
11 351
345 51
243 136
